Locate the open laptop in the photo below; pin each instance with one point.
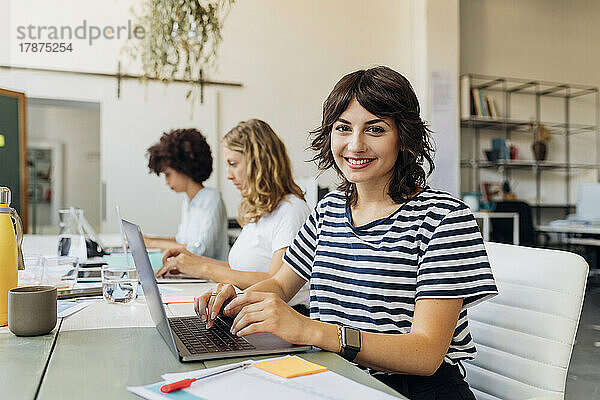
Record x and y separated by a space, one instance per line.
179 278
187 337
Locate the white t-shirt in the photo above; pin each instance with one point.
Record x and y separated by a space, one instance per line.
254 247
203 226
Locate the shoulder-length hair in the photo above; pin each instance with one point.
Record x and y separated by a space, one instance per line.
384 93
268 169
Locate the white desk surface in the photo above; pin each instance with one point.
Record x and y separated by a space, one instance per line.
570 228
104 348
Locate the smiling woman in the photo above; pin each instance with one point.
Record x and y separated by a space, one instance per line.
363 116
393 265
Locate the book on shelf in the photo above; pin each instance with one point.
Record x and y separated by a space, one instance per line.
492 107
466 102
482 105
476 102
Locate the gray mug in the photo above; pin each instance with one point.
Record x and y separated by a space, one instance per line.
32 310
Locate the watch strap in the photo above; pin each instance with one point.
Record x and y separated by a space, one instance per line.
349 353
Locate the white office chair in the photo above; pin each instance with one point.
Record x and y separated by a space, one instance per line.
525 335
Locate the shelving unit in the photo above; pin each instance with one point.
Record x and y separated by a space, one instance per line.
45 190
517 98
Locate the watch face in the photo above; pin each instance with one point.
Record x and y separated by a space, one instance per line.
352 337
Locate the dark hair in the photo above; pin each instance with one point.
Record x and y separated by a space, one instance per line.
184 150
384 93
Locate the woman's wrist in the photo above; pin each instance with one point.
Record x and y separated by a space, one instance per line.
324 335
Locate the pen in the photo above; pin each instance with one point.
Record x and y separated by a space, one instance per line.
184 383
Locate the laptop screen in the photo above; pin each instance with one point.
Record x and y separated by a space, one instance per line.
151 292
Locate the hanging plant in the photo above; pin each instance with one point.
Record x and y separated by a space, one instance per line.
181 38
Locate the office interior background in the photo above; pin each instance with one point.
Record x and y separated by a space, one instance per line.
89 133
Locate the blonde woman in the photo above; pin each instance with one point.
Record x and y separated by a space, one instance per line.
271 212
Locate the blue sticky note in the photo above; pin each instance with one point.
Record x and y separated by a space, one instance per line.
178 395
118 260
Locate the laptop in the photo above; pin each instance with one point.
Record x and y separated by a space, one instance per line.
187 337
179 278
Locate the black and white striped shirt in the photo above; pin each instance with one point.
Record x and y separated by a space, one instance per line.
369 277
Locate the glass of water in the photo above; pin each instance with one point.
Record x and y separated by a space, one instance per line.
61 271
119 284
34 270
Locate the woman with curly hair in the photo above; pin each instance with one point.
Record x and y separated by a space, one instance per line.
183 156
393 265
271 212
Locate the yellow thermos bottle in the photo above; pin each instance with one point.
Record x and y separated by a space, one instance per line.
11 257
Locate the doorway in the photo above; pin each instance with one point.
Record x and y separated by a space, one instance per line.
63 155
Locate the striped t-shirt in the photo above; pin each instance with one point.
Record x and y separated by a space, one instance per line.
369 277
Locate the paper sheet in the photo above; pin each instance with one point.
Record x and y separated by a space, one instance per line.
66 307
254 383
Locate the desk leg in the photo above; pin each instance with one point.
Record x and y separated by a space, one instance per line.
516 239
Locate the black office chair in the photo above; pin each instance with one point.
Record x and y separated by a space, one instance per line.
502 229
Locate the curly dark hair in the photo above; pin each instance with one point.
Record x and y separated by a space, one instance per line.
184 150
384 93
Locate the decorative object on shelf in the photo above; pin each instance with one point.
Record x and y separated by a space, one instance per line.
472 200
514 152
492 191
541 138
499 144
492 155
508 194
181 38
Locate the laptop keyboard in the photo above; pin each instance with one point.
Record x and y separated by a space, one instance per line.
198 340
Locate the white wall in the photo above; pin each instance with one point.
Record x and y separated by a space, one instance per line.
288 56
436 55
550 40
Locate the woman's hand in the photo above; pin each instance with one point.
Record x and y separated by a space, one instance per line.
210 303
267 312
181 261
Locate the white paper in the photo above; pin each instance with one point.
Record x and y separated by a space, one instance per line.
68 307
254 383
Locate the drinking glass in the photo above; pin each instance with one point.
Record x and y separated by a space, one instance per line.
34 270
61 271
119 284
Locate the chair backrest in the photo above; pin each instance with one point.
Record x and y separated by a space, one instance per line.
525 335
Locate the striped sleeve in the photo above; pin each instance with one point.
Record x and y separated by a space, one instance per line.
454 263
301 254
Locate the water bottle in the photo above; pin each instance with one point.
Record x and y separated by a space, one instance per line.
11 256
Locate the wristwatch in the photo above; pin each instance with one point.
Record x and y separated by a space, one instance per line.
350 342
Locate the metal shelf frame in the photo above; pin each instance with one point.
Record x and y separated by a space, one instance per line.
567 128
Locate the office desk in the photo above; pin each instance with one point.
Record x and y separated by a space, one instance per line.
570 228
103 348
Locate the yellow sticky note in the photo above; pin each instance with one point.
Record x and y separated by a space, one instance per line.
290 367
1 140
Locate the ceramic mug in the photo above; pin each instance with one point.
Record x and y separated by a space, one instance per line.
32 310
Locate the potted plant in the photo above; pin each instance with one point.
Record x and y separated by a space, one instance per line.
181 38
541 138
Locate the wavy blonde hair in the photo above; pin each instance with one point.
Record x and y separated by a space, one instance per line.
268 169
